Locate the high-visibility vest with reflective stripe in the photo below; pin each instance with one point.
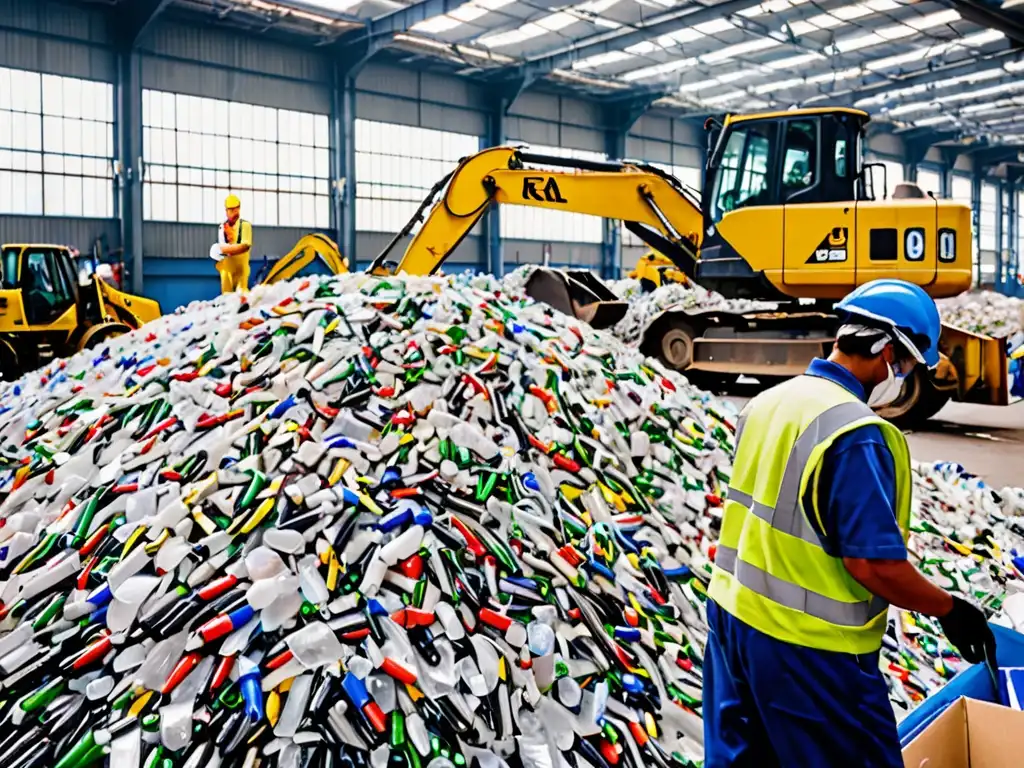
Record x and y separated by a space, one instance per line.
771 571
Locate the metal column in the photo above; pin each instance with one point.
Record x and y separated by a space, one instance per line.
345 197
611 236
496 136
130 166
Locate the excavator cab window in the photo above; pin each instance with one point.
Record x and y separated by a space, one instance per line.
45 289
800 160
743 175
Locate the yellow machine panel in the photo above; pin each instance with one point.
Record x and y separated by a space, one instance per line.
954 248
759 232
12 312
897 238
820 253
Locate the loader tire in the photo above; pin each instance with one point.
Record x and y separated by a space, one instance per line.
10 366
100 334
918 402
675 346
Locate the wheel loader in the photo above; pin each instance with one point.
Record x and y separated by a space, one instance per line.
789 214
47 311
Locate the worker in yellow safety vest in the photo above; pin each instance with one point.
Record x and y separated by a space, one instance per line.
813 550
231 251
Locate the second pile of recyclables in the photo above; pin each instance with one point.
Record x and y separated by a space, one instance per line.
366 521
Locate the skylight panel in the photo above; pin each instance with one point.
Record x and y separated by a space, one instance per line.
658 69
714 27
780 85
642 48
933 20
600 59
553 22
906 109
893 32
834 77
722 98
740 49
770 6
934 120
792 62
467 12
848 44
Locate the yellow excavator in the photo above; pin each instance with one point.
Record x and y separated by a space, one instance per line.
789 214
311 249
654 270
47 310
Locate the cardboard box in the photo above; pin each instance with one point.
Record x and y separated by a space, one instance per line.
970 734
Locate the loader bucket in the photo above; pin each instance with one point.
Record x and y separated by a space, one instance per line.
578 293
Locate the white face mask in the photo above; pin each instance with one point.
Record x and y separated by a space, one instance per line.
888 390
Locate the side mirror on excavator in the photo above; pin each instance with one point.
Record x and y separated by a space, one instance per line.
713 128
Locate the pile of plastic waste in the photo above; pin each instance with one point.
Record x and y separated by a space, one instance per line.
987 312
644 307
411 521
365 522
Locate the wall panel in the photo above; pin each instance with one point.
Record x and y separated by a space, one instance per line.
77 232
58 39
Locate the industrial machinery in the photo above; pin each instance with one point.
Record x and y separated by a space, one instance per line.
311 249
654 270
788 214
47 310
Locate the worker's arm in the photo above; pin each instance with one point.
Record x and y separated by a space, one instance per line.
242 247
857 508
900 583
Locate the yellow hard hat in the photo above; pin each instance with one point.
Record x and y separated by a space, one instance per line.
232 201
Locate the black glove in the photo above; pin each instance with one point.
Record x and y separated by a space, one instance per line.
966 628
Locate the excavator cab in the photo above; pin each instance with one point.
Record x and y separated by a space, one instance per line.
790 211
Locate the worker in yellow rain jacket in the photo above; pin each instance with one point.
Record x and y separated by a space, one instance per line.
231 251
813 550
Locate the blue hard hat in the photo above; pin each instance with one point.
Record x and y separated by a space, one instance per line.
903 308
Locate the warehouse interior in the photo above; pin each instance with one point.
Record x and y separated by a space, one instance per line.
656 399
129 121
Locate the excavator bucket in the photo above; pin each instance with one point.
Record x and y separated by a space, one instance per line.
302 255
578 293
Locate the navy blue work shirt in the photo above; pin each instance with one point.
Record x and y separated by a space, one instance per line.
856 486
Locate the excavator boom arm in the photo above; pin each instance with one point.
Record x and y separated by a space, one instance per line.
656 206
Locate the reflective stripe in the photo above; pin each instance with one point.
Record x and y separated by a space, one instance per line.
788 515
796 597
756 508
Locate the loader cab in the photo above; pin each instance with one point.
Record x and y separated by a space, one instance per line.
45 277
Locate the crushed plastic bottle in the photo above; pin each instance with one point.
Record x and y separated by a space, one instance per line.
365 522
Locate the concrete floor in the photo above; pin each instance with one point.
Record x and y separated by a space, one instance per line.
987 441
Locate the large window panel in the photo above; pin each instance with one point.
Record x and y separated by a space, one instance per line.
929 181
396 165
56 145
198 150
987 217
551 225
